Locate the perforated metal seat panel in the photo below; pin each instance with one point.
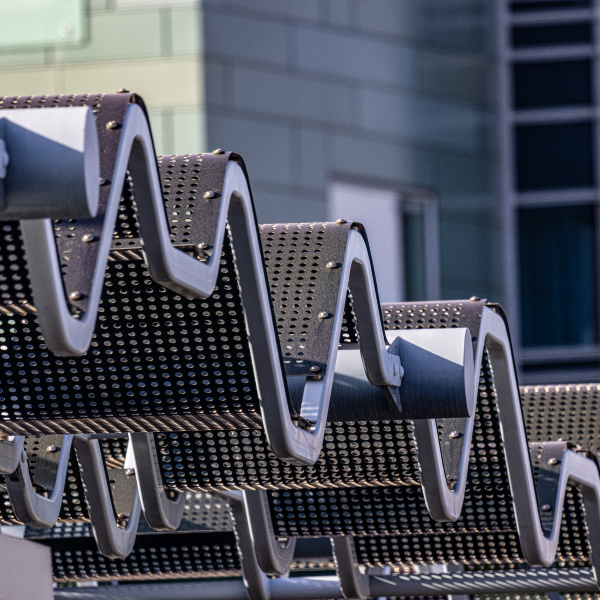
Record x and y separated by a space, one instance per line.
353 455
563 412
203 546
159 556
126 382
77 258
401 532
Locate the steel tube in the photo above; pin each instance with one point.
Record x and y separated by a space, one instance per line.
484 582
319 588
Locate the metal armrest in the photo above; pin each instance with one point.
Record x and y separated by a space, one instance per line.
113 541
273 558
163 512
30 507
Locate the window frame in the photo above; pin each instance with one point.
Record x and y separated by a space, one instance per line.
512 200
403 195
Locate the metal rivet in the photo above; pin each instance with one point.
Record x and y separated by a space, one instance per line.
88 237
315 369
202 246
122 91
75 296
210 194
332 265
474 299
129 471
103 181
51 448
546 507
340 221
324 315
553 461
454 434
218 151
112 125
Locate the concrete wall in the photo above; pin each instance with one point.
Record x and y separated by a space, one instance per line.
151 47
384 93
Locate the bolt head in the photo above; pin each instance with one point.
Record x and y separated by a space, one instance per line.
129 472
340 221
103 182
112 125
202 246
546 507
51 448
209 195
315 369
88 237
332 265
474 299
454 435
218 151
75 296
324 315
122 91
553 461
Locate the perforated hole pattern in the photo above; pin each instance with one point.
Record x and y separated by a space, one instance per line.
303 287
157 361
164 556
354 454
485 535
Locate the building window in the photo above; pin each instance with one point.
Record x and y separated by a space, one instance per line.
554 156
551 35
549 148
521 6
401 227
557 248
552 83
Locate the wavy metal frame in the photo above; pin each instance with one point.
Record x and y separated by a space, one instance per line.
32 508
69 335
163 513
445 504
113 541
10 453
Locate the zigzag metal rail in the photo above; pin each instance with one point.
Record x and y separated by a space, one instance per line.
446 505
67 335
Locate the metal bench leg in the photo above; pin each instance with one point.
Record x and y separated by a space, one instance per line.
113 540
30 507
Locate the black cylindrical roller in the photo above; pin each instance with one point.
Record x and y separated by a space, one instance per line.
438 379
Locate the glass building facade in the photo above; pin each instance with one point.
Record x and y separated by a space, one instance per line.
549 156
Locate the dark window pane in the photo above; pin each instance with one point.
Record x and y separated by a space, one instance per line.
554 156
563 83
558 276
547 35
534 5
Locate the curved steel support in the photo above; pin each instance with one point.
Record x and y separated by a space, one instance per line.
32 508
67 334
273 558
255 580
354 578
162 511
287 441
70 335
113 541
444 504
10 454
